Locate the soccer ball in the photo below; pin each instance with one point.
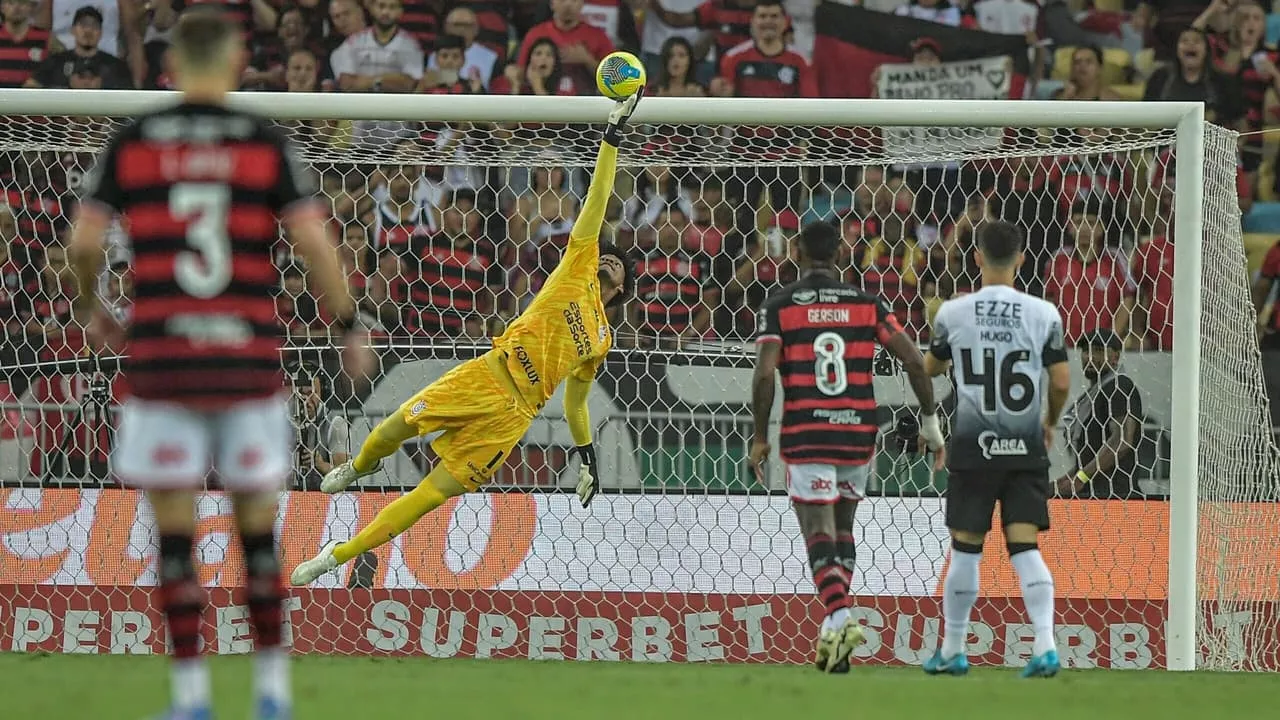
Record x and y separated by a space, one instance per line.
620 75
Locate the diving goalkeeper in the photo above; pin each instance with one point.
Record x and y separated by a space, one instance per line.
485 405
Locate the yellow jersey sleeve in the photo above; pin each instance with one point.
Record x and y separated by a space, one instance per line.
565 329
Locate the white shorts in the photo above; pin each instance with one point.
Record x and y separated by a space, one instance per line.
163 445
827 484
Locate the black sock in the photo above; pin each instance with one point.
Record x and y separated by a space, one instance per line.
181 597
266 591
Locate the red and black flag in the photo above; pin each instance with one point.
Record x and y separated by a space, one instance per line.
852 42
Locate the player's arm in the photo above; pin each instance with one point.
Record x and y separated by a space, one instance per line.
577 388
587 227
86 250
763 388
1054 355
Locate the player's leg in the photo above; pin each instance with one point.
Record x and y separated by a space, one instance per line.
971 499
814 496
1024 511
164 450
254 456
182 600
256 516
436 488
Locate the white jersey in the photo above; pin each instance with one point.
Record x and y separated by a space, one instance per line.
64 11
999 341
362 54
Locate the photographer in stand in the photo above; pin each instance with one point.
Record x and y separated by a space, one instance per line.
323 438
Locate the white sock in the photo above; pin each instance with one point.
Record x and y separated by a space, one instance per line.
271 674
959 593
1037 593
190 679
838 618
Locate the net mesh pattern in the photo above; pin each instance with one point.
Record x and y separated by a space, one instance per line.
447 230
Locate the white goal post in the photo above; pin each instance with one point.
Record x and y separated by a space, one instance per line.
1202 152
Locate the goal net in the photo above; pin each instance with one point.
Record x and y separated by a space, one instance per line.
448 227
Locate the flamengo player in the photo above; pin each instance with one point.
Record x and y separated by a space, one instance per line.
201 188
821 333
1000 341
485 405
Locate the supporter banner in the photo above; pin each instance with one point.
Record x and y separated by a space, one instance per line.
634 544
852 42
980 79
642 627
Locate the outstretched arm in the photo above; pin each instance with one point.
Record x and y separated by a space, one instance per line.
587 227
576 390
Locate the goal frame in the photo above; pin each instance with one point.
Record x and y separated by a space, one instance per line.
1186 119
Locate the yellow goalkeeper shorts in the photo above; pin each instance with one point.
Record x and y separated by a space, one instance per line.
481 418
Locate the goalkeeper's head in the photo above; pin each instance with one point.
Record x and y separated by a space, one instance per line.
999 250
617 276
206 54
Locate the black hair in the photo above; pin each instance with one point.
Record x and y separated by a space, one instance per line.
450 42
664 73
999 241
628 274
820 241
1093 49
770 3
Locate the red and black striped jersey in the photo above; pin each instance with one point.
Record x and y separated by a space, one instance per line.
828 330
421 18
201 189
19 56
669 288
444 283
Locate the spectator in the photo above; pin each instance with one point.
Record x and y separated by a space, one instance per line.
768 265
118 294
673 285
618 19
956 252
725 24
1085 82
478 61
119 32
675 76
1242 54
302 71
298 310
22 44
85 58
939 11
420 18
1190 78
449 75
542 74
1089 282
1104 425
1264 300
656 189
268 65
1022 196
539 228
1153 275
346 18
323 438
380 58
581 45
155 41
892 267
655 33
452 275
19 285
404 212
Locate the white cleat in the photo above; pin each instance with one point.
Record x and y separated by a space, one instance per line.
337 479
307 571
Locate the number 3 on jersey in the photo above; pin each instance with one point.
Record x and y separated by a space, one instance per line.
205 270
830 373
998 384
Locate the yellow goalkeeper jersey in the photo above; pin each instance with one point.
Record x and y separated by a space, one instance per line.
564 330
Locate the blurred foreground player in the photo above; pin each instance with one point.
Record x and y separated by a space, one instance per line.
484 406
821 333
201 189
1001 341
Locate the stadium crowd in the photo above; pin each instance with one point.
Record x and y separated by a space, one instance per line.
446 252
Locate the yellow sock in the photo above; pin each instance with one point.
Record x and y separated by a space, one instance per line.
391 521
383 441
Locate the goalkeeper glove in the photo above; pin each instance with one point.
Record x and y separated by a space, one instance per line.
618 118
588 477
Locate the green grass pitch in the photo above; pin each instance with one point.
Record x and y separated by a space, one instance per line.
69 687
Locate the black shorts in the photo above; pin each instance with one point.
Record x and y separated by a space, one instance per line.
972 495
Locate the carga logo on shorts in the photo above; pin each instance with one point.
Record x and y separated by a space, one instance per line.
994 446
522 356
